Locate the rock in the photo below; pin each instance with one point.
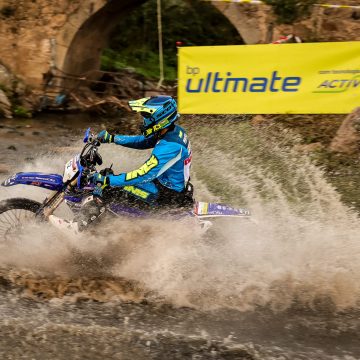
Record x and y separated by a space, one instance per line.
259 120
4 100
347 138
12 147
20 88
308 148
3 169
58 20
5 105
6 78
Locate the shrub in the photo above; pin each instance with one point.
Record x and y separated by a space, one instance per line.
289 11
20 111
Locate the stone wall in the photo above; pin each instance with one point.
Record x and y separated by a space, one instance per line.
257 24
253 22
68 34
325 24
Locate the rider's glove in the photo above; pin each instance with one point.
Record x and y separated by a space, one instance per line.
100 180
105 137
101 183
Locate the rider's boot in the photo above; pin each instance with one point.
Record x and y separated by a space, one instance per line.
90 212
66 226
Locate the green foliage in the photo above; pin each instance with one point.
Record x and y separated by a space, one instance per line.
134 43
115 61
289 11
20 111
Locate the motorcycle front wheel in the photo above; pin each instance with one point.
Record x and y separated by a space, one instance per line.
14 215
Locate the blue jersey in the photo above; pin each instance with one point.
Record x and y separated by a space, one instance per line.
169 162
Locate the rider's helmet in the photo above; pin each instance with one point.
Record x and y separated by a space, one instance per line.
158 112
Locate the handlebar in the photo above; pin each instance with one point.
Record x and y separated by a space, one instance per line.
89 156
88 159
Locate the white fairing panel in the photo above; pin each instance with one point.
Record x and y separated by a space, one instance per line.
71 168
187 166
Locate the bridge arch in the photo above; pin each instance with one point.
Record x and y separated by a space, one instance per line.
84 50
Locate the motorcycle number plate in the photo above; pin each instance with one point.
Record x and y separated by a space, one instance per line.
71 168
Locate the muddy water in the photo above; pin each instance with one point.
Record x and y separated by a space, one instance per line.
286 288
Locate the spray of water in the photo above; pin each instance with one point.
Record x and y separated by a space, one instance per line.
304 249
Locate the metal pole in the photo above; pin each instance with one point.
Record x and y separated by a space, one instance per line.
161 56
53 53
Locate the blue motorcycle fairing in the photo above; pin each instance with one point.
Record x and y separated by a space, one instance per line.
80 169
121 209
48 181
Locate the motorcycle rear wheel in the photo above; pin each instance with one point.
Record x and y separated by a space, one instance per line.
14 215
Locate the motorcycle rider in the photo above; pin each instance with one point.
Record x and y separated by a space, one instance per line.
161 182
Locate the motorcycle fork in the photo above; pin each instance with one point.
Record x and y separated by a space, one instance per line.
52 204
54 201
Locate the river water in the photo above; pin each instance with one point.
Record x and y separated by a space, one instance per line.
287 287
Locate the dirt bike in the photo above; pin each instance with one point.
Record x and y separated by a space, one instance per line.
73 188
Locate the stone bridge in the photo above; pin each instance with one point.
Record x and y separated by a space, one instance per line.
36 35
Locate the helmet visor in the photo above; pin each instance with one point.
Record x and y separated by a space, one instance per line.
146 115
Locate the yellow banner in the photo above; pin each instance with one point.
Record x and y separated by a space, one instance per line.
312 78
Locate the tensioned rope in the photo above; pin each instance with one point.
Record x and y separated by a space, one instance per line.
333 6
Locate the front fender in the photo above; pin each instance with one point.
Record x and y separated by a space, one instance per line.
48 181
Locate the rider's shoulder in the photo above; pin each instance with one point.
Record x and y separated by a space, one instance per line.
179 128
167 142
175 135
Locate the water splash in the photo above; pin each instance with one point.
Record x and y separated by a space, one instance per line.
304 251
